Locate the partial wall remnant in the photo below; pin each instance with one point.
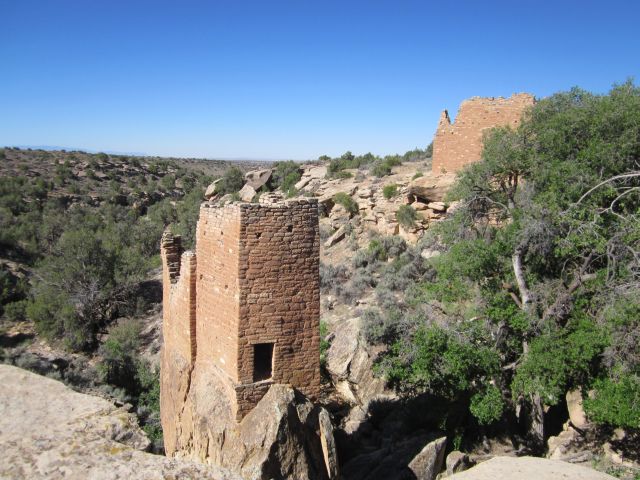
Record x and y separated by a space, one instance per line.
460 143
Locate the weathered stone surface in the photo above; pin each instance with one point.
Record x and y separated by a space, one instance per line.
283 436
458 144
437 206
314 171
428 189
576 410
336 237
529 468
458 462
569 446
257 178
247 193
392 461
428 463
48 431
339 216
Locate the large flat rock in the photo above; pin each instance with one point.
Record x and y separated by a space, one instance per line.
529 468
49 431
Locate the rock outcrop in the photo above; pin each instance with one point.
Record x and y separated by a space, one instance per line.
284 436
48 431
528 468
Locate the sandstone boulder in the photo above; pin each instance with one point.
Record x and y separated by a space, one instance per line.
458 462
437 206
314 171
576 411
284 436
339 216
257 178
247 193
429 188
428 463
336 237
411 458
48 431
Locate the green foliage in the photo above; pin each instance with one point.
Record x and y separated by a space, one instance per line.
286 175
324 343
438 361
559 361
615 402
406 216
16 311
344 199
487 406
390 191
543 253
119 355
417 175
232 180
380 169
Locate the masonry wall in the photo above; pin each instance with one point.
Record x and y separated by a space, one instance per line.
254 279
280 295
217 312
460 143
178 297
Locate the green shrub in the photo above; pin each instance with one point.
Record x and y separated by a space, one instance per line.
487 406
390 191
380 169
324 343
286 175
615 402
341 198
16 311
406 216
119 355
232 180
417 175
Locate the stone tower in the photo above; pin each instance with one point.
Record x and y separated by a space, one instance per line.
247 302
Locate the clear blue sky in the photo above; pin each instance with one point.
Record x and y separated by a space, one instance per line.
268 79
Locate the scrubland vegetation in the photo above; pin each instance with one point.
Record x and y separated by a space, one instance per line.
531 289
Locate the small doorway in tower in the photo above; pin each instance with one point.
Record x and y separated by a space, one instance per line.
262 361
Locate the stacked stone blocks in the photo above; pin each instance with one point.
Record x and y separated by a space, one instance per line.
458 144
256 278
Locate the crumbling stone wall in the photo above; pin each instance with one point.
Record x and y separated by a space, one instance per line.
178 297
460 143
252 282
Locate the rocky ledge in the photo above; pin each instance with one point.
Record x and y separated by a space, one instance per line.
49 431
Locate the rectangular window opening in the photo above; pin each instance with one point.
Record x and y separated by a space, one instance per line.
262 361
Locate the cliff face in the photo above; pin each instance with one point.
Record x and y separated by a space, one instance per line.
49 431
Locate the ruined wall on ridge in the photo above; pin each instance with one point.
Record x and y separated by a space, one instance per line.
460 143
178 297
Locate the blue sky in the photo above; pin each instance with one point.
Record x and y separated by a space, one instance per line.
277 80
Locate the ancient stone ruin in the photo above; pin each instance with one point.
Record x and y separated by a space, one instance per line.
241 342
248 299
460 143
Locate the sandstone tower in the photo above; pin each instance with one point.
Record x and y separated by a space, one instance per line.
460 143
246 304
